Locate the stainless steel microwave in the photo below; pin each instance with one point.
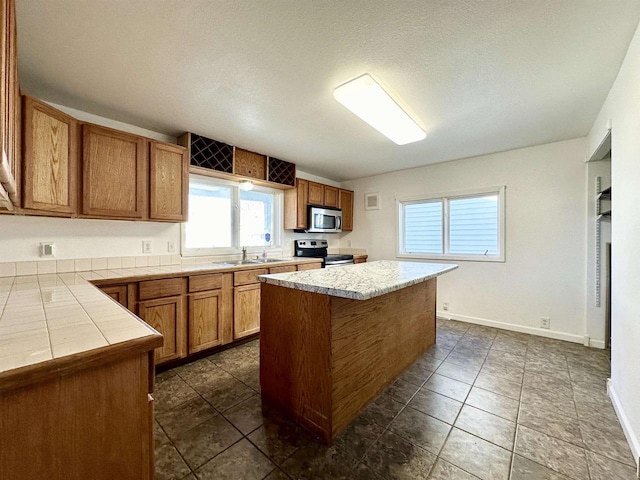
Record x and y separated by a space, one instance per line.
323 220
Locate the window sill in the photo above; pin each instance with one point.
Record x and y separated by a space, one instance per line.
446 258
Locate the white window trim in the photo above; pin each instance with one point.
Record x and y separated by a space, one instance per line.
400 201
236 248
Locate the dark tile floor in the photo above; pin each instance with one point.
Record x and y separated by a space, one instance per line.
482 403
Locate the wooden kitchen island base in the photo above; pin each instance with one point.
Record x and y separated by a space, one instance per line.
323 358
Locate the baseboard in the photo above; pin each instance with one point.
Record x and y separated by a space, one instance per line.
542 332
597 344
634 442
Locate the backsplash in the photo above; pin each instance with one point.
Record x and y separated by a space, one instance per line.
43 267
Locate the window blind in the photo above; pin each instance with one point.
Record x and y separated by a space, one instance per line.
423 227
473 225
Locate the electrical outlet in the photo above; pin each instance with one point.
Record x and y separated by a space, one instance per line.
171 247
147 246
545 322
445 306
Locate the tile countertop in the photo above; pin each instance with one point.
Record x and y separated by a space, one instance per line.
49 317
362 281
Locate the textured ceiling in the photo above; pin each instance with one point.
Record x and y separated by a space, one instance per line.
479 77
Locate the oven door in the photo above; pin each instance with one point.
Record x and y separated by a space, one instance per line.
338 263
322 220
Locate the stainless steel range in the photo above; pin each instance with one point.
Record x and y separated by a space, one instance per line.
318 249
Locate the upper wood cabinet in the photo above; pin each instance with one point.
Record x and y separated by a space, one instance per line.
168 182
10 106
316 194
296 203
295 206
50 159
249 164
114 171
331 198
346 205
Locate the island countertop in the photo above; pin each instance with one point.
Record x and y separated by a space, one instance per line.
362 281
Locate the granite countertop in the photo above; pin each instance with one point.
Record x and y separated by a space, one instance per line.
48 317
362 281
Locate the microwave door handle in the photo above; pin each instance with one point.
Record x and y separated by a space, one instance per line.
339 223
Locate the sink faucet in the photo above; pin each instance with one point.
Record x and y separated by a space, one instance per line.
244 254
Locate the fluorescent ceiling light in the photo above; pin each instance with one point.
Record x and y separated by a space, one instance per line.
246 185
364 97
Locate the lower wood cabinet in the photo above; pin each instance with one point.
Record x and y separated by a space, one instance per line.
118 293
309 266
90 419
199 311
210 321
205 320
246 310
167 316
360 258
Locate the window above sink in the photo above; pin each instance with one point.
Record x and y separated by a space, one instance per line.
223 218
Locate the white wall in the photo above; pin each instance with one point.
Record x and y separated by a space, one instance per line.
20 236
544 272
622 109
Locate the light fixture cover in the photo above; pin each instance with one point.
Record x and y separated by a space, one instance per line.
246 185
368 100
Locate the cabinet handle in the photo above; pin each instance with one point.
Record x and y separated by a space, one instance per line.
151 399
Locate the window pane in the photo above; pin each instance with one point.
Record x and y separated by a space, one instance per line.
423 227
209 224
256 217
473 225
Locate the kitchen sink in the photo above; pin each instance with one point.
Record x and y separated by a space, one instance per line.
255 261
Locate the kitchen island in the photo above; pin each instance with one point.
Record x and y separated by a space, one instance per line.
332 339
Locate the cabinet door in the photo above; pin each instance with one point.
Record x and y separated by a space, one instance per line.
205 320
316 193
167 316
169 182
10 102
331 198
114 169
295 205
50 159
117 292
346 205
246 311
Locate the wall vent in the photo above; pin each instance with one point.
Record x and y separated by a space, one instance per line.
372 201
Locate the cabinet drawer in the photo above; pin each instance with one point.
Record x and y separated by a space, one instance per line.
160 288
246 277
200 283
288 268
309 266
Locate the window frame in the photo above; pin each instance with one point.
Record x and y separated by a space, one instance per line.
236 248
445 198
